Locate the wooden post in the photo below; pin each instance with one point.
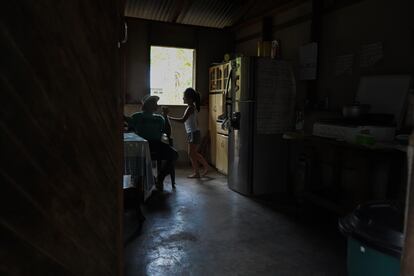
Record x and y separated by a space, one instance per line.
407 262
61 138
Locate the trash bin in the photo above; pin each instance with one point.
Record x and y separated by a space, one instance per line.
374 234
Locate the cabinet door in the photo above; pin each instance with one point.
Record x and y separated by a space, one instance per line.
212 127
219 77
222 153
219 104
212 79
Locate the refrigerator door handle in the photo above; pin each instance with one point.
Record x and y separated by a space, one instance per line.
228 105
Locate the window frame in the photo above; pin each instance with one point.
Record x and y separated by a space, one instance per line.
194 67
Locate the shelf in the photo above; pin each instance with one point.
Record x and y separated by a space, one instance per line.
218 77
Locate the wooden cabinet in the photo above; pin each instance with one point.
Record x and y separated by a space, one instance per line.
212 127
218 77
222 153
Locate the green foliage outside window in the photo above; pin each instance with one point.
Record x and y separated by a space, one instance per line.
172 71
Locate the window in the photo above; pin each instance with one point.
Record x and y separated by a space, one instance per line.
172 70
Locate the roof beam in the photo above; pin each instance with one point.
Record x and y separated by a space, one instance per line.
181 10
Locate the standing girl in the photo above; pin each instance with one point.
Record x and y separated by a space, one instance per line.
192 99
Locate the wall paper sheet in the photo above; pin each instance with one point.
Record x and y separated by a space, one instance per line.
275 88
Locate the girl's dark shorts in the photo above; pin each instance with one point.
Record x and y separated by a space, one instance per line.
194 137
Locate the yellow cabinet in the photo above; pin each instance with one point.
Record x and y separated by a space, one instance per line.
222 153
212 127
218 76
216 108
212 79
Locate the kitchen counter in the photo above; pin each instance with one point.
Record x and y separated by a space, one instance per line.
339 175
382 146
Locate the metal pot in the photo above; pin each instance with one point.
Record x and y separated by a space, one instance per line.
355 110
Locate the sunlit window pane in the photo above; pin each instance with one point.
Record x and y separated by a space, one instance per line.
172 71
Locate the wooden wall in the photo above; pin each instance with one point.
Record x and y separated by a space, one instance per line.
346 27
210 44
407 260
60 138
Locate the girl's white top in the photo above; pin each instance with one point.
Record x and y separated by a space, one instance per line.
191 122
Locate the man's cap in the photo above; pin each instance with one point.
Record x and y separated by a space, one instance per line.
149 99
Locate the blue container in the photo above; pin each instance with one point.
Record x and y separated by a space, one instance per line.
375 239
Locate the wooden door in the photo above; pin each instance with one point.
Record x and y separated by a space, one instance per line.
61 138
407 263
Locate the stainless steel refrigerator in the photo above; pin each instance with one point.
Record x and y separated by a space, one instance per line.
260 107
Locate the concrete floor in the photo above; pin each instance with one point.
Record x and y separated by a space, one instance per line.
203 228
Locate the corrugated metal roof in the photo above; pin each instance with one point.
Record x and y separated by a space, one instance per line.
207 13
159 10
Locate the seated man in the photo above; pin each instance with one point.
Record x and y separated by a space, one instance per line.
150 126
